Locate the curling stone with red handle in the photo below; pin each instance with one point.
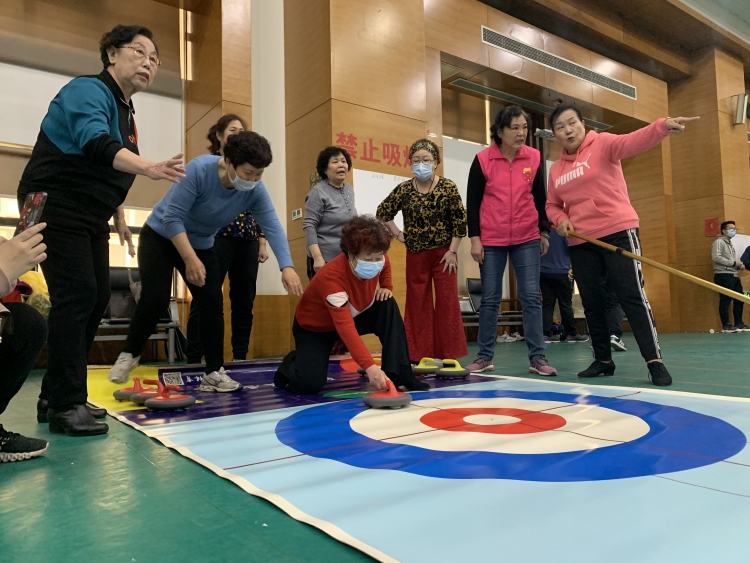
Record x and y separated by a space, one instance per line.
392 398
167 401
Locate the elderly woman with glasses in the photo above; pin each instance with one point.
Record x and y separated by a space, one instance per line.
86 158
434 223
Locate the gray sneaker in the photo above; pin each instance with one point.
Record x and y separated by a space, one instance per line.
577 338
120 372
219 382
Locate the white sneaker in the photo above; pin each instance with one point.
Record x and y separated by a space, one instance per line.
219 382
125 363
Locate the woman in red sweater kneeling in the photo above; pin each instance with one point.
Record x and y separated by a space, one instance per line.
587 193
343 301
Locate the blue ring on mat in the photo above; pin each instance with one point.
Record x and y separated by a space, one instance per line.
679 440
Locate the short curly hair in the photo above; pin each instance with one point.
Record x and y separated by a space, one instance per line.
503 120
119 36
248 147
365 232
325 157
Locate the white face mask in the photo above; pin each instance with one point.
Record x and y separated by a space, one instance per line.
240 184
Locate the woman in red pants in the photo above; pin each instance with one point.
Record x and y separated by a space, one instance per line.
434 223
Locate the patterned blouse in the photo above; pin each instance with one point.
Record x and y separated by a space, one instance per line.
244 226
430 220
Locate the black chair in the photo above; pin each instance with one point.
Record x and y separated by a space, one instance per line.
122 306
471 316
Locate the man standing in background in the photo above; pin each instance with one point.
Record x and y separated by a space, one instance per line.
726 267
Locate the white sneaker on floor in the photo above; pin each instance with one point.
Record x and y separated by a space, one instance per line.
219 382
120 372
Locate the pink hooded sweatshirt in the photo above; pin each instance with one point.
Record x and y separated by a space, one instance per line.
588 187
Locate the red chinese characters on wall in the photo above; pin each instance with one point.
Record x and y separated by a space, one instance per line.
390 154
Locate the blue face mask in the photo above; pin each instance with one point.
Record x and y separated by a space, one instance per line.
731 232
368 270
240 184
422 171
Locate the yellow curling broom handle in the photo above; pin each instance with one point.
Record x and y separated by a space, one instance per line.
678 273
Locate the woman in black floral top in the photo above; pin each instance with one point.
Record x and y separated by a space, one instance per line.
240 247
434 223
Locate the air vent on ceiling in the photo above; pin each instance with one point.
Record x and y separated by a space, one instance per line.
500 41
511 99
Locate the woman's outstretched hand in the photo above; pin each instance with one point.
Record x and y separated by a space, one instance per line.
676 125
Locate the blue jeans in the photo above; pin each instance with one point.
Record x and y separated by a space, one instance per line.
525 259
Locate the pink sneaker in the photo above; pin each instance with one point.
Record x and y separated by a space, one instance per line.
542 367
480 365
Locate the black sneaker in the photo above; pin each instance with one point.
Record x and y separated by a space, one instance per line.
742 327
552 338
14 447
658 374
598 369
576 338
729 328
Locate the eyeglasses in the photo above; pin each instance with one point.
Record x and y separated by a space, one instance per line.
141 54
426 160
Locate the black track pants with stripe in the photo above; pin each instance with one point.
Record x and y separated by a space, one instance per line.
592 267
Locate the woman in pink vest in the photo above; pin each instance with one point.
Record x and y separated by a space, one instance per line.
434 223
505 211
587 193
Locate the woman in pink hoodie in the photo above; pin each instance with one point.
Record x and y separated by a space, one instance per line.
587 193
23 333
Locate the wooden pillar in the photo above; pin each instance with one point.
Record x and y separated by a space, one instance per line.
218 73
218 81
710 176
355 77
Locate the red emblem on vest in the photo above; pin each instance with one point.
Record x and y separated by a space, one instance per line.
528 175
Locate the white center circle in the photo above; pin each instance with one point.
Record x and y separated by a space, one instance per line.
490 419
587 427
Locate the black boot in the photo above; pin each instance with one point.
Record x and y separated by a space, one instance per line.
77 420
598 369
41 411
406 378
658 374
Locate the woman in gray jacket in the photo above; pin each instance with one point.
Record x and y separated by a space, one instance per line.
726 267
328 207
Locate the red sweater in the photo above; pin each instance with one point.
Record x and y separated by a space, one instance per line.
588 187
334 297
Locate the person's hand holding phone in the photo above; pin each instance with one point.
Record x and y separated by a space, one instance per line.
23 252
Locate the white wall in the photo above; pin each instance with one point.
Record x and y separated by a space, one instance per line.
27 93
269 117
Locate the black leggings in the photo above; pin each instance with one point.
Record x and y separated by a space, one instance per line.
157 257
20 350
305 370
597 269
239 258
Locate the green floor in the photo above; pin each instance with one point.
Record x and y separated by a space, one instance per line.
124 498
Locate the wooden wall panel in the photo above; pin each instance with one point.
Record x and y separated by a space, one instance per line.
463 116
196 143
305 138
272 331
307 56
145 193
203 92
434 100
511 64
696 157
377 55
652 97
735 171
453 26
694 248
235 51
11 169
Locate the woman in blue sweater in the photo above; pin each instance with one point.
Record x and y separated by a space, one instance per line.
180 233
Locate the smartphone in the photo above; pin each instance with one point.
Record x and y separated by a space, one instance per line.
32 210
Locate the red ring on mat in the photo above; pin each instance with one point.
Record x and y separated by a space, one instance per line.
531 422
